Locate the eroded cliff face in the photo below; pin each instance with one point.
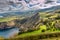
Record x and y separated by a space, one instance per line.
26 24
30 24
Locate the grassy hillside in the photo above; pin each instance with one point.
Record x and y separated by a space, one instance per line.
48 25
6 19
10 18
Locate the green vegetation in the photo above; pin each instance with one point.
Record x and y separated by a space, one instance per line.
10 18
47 25
6 19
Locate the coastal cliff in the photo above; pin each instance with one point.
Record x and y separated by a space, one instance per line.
26 24
30 23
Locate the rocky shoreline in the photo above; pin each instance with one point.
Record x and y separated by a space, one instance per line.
25 24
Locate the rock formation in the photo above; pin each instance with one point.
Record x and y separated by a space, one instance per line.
30 23
26 24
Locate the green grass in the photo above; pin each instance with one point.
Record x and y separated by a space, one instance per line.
6 19
43 27
29 34
38 32
10 18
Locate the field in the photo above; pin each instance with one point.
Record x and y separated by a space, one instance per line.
10 18
6 19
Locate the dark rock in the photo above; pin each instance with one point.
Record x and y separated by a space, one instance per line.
31 23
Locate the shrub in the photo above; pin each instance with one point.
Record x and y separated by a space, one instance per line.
43 30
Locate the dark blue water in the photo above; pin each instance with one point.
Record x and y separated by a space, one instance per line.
8 33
